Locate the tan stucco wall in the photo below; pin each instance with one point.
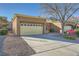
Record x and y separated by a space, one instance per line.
31 20
14 26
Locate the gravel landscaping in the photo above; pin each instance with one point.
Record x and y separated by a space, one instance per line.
17 46
14 46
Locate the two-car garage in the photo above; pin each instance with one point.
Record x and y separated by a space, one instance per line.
28 25
31 29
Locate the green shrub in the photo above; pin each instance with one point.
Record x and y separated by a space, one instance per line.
70 37
73 27
77 32
3 32
77 29
65 33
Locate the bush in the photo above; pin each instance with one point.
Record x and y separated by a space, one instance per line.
70 34
77 32
73 27
3 32
70 37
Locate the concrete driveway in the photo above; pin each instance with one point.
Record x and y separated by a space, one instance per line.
52 45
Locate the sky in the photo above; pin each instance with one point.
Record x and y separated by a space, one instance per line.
32 9
8 9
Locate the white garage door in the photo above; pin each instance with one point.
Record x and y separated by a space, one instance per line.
30 29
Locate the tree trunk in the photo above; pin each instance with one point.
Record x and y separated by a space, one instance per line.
62 29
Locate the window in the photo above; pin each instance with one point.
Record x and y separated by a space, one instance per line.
24 24
21 24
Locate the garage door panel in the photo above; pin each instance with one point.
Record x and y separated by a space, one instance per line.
31 30
23 30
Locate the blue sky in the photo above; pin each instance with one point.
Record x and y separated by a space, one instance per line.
9 10
32 9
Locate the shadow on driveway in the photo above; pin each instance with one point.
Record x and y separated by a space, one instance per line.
54 36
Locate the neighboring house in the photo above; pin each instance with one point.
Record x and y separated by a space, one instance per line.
71 23
28 25
55 26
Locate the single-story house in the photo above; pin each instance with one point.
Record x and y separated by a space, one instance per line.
28 25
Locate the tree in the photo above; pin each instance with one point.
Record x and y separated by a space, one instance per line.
60 11
3 21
